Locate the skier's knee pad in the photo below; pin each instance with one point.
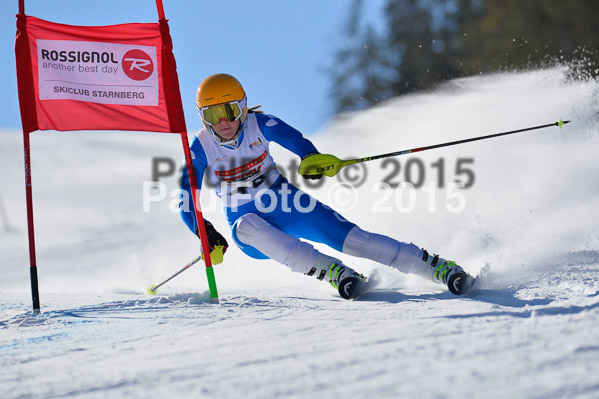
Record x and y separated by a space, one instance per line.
248 227
243 230
255 235
356 243
381 249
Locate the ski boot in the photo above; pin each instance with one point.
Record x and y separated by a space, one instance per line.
447 272
347 281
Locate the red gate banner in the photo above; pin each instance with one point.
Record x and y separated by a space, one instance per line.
118 77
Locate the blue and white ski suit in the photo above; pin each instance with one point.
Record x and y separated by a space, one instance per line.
267 214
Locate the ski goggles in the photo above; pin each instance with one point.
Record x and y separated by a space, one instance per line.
230 111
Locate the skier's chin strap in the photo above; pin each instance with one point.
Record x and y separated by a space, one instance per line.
224 142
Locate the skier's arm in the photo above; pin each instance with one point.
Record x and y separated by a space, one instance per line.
283 134
185 203
186 210
274 129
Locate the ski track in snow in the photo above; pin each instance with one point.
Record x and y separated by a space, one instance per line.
529 330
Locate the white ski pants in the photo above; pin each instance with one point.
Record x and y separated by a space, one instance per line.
301 256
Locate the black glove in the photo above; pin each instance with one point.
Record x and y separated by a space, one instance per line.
214 237
312 177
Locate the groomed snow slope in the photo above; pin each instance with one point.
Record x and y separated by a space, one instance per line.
527 222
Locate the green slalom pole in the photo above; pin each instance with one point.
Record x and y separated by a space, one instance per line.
330 165
195 200
212 285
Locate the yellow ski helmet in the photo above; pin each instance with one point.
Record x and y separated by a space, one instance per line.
221 96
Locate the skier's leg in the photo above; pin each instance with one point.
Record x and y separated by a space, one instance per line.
252 231
407 258
323 224
306 217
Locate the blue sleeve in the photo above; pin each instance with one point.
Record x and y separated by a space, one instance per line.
274 129
200 163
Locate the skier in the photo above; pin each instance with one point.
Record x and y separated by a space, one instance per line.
269 216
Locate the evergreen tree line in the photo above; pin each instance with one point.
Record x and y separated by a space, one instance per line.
416 44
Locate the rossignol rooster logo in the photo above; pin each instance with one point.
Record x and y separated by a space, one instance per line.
137 65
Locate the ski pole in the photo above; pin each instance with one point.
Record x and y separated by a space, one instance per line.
152 289
330 165
216 255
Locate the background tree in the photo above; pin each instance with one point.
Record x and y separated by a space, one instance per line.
419 43
358 81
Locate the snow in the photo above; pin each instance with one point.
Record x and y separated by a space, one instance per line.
528 224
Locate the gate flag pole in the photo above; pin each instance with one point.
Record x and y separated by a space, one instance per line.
35 296
29 122
200 219
173 95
